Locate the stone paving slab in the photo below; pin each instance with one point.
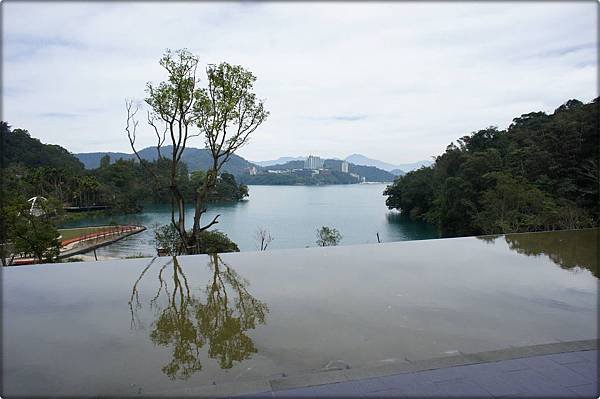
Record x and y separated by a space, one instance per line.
534 376
321 378
565 369
538 376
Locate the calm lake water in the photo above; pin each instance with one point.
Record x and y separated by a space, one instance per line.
290 213
165 325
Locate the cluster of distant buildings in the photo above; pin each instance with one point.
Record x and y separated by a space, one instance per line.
314 164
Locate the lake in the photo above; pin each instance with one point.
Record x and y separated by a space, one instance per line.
291 214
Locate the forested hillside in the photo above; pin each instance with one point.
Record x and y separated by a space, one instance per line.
32 168
541 173
195 159
21 148
300 178
370 173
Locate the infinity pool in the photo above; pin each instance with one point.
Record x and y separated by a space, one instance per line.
139 326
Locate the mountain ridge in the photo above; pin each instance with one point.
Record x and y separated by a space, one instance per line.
357 159
278 161
371 173
195 158
397 169
200 159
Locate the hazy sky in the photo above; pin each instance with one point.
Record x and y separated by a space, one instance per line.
396 81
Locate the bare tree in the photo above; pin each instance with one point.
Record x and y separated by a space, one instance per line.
263 239
226 113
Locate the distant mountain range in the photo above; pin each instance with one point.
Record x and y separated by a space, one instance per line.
357 159
195 158
278 161
370 173
200 159
398 169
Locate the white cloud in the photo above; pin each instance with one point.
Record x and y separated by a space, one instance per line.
394 81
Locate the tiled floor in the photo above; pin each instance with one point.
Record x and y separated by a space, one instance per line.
573 374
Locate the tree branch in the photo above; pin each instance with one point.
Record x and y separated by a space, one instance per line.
131 128
214 221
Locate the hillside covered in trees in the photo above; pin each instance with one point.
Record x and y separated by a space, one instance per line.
32 168
195 159
20 148
541 173
295 174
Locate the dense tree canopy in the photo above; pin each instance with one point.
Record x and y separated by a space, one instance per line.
168 241
32 168
539 174
21 148
29 234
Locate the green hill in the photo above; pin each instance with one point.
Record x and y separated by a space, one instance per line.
21 148
195 159
370 173
34 168
541 173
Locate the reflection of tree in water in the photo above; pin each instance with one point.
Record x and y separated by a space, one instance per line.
411 227
568 249
186 324
490 239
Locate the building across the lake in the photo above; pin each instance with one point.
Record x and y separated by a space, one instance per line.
313 162
252 170
344 167
357 177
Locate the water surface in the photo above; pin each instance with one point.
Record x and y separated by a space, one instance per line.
144 326
290 213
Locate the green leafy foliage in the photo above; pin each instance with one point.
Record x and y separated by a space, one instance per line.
328 236
22 149
216 242
300 177
225 190
539 174
168 241
225 114
30 234
125 185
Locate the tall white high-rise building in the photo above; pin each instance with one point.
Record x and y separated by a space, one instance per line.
344 167
313 162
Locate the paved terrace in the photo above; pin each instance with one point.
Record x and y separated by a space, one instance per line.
562 370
